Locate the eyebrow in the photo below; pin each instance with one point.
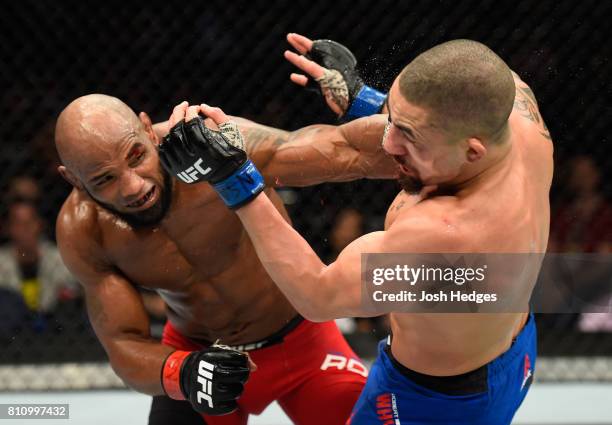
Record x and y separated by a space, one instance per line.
406 130
131 153
94 179
403 129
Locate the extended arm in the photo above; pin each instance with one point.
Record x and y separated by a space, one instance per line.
311 155
317 291
319 153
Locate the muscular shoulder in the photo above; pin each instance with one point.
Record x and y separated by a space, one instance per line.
78 229
433 225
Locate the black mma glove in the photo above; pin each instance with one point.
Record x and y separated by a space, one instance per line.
211 380
194 153
341 78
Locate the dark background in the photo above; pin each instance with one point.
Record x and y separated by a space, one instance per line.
154 54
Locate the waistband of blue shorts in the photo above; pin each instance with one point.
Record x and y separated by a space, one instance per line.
470 382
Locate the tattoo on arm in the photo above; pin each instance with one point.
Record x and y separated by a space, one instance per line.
525 102
255 138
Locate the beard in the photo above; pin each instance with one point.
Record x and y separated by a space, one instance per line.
411 185
152 215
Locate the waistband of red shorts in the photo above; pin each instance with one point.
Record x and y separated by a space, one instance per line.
174 338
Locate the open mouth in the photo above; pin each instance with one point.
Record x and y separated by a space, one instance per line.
143 200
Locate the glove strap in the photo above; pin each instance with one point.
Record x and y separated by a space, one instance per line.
241 187
171 374
367 102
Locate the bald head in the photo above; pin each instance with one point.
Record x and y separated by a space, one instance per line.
467 87
91 123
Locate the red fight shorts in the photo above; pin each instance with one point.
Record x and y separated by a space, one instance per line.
312 373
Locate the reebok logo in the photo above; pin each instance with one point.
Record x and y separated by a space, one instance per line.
341 362
191 173
205 371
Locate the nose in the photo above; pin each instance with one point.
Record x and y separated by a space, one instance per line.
391 142
131 186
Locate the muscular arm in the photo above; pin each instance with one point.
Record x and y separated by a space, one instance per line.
115 310
317 291
318 153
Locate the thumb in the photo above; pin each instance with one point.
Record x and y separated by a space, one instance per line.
252 366
216 114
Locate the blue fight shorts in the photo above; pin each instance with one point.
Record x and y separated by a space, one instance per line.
489 395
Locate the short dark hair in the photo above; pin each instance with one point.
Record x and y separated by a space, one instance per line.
464 84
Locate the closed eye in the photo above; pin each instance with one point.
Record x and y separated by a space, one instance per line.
103 180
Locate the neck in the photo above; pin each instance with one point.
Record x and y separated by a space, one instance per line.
498 156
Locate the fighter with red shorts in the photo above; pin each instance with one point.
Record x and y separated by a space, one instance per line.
128 222
296 367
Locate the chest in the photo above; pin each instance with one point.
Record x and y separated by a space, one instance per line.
195 243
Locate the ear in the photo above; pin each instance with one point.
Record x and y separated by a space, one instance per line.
69 177
476 149
149 128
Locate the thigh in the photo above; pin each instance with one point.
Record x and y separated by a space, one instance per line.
333 378
325 399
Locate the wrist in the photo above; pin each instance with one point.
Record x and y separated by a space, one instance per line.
171 374
368 102
240 187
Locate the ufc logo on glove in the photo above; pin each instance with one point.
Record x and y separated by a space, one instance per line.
205 377
229 171
191 174
212 380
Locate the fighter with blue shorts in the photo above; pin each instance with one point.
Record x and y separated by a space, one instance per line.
464 136
489 395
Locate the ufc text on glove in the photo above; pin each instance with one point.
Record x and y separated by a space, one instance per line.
194 153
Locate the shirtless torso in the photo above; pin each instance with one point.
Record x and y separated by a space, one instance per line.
190 258
513 202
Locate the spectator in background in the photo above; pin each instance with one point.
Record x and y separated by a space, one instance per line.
23 187
583 223
31 265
